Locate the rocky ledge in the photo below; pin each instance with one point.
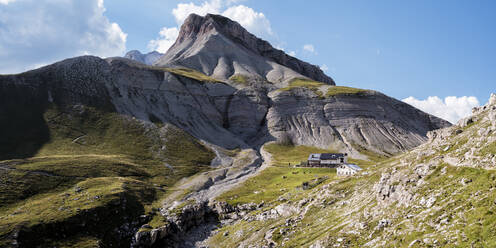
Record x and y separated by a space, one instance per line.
197 220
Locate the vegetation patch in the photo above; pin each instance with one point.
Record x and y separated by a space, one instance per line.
78 241
108 156
273 182
281 178
467 199
343 90
87 202
302 83
488 149
193 74
372 156
239 78
315 85
285 155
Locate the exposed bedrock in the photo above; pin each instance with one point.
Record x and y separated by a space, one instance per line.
368 120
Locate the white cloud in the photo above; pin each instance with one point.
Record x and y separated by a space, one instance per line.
309 48
451 109
324 67
37 32
6 1
255 22
292 53
183 10
167 38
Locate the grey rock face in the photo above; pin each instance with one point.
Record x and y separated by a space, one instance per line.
369 121
221 47
175 227
147 59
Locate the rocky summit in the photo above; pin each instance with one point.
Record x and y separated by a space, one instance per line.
222 48
206 146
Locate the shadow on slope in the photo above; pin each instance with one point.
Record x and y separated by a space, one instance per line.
23 129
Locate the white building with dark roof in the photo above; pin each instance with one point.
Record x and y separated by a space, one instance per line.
348 169
326 159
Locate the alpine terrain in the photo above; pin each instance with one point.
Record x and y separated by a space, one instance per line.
203 147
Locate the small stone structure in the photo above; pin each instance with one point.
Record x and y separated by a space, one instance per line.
348 169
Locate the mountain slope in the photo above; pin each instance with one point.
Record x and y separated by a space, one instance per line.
222 48
163 136
441 194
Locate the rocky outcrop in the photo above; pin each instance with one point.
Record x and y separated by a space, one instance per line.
469 142
147 59
176 226
399 186
116 228
221 47
181 222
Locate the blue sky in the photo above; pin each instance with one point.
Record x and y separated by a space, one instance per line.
401 48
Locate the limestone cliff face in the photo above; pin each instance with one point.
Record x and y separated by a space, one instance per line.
222 48
368 120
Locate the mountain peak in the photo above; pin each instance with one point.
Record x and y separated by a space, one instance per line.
207 42
148 58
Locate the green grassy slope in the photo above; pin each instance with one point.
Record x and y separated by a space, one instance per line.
314 86
282 177
110 156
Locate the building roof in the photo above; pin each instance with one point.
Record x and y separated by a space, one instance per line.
314 156
325 156
353 167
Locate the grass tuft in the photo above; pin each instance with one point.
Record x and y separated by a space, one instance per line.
239 78
343 90
193 74
302 83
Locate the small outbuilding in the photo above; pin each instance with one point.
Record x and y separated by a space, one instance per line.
348 169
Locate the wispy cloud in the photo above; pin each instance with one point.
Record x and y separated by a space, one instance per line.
6 1
309 48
